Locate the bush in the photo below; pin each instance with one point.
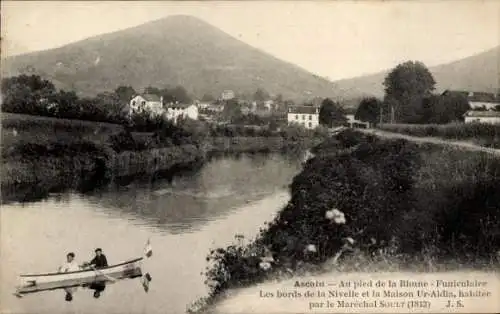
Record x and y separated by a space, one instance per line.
415 202
122 141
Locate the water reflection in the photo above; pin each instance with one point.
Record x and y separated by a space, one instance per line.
184 218
186 203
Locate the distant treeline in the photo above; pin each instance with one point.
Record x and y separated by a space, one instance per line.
31 94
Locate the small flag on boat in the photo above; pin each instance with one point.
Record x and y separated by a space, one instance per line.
148 250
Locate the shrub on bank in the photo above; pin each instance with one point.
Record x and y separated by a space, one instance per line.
389 197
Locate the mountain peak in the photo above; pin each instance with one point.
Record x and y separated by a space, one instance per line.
175 50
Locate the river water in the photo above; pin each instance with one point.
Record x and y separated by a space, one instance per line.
184 218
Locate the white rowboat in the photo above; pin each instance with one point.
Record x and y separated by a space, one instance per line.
50 281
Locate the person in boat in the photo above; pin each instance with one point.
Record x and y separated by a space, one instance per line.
70 265
99 261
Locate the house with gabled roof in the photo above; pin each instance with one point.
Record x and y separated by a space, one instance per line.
477 99
151 103
352 122
175 111
307 116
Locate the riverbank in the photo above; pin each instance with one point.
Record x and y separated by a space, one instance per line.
365 203
31 171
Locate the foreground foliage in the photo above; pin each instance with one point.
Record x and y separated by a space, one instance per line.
368 199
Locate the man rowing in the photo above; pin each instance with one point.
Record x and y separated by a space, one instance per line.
99 261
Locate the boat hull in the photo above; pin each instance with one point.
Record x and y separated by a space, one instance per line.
42 282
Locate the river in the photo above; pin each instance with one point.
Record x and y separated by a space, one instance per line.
184 218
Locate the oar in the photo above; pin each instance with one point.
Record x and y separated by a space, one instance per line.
103 274
17 294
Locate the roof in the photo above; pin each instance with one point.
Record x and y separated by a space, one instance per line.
302 109
476 96
151 97
482 114
180 106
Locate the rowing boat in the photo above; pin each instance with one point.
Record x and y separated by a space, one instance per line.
50 281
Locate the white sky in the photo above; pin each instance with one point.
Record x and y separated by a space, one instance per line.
333 39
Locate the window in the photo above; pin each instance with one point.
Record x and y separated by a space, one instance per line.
296 117
303 117
310 124
133 103
310 117
143 103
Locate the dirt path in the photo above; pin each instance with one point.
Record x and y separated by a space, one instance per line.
434 140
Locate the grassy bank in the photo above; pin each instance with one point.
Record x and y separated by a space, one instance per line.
370 204
20 128
486 135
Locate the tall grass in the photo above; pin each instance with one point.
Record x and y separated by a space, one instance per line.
487 135
20 128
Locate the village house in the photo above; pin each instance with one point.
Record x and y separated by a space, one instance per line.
350 114
175 111
307 116
151 103
477 100
227 95
477 116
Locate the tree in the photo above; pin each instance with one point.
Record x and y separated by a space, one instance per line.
152 90
125 93
405 88
443 108
207 98
331 113
180 94
231 110
369 110
68 106
455 106
26 94
261 95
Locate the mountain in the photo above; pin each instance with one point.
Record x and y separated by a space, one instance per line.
480 72
177 50
183 50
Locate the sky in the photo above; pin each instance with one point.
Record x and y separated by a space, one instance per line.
333 39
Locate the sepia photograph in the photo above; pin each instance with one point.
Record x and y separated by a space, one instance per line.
254 157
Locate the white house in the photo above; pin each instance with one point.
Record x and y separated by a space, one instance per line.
490 116
307 116
174 111
227 95
352 122
147 103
